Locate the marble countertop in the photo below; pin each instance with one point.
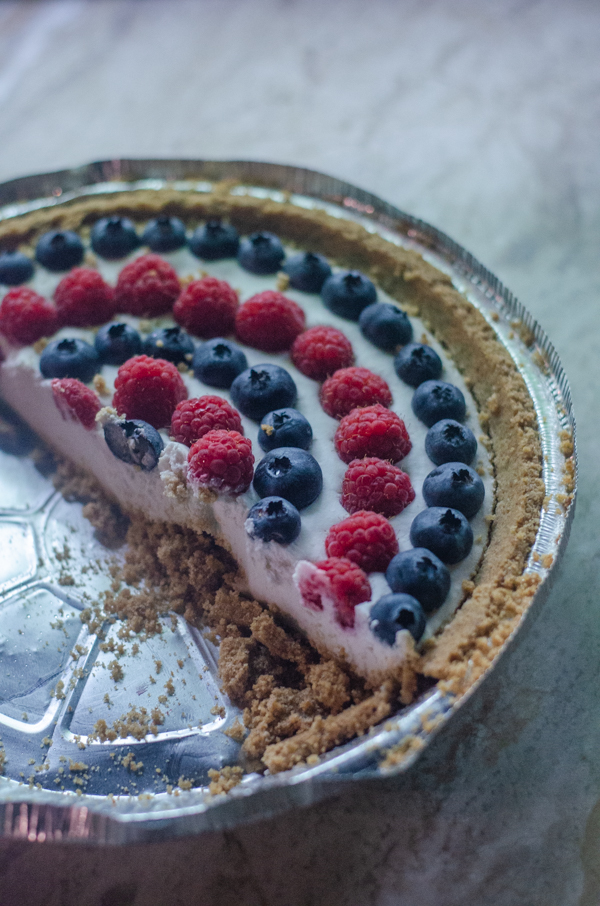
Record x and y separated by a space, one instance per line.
483 119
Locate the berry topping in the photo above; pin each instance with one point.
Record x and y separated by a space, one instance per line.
350 388
147 287
84 299
366 538
194 418
114 237
207 308
434 400
70 358
148 389
134 442
393 613
449 441
25 316
455 485
320 351
420 573
59 250
269 321
416 363
170 343
261 253
223 461
372 431
307 271
15 268
291 473
215 240
75 401
445 532
274 519
373 484
164 234
218 362
261 389
115 343
336 581
385 326
347 293
284 428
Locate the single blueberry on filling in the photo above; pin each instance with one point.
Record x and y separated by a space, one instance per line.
347 293
307 271
449 441
290 473
115 343
114 237
455 485
418 572
385 326
214 241
393 613
274 519
261 253
284 428
218 362
164 234
135 442
443 531
170 343
59 250
15 268
261 389
70 358
434 400
417 362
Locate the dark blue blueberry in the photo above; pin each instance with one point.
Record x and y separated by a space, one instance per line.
346 294
115 343
416 363
15 268
419 573
385 326
261 253
59 250
218 362
392 613
449 441
215 240
434 400
291 473
443 531
274 519
69 358
456 485
164 234
134 442
284 428
170 343
114 237
261 389
307 271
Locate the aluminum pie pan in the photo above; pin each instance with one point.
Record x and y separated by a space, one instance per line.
48 814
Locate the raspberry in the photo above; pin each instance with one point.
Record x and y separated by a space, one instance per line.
222 460
372 484
148 389
372 431
25 316
207 308
337 579
194 418
366 538
269 321
320 351
76 402
352 387
84 299
147 287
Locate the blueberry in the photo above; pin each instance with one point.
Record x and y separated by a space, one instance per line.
114 237
449 441
416 363
59 250
291 473
261 389
15 268
134 442
284 428
170 343
419 573
307 271
215 240
274 519
164 234
346 294
69 358
115 343
392 613
218 362
443 531
385 326
261 253
434 400
455 485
